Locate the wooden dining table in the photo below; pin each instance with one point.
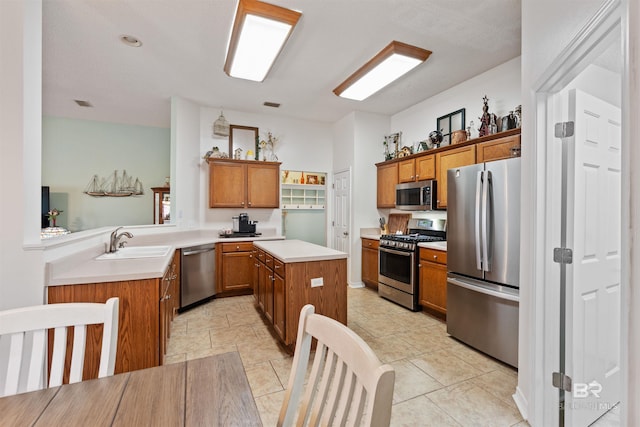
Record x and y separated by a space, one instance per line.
212 391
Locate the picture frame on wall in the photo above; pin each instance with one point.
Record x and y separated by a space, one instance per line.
449 123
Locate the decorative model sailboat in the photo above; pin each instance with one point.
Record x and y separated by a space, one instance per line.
116 186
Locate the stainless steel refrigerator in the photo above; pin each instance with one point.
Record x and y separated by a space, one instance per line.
483 257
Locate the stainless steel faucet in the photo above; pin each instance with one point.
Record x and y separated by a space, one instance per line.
115 238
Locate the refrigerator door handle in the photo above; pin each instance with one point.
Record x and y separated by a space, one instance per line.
483 290
485 221
477 219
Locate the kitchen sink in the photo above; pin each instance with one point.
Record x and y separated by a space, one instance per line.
137 252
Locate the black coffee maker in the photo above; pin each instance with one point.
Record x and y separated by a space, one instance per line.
246 226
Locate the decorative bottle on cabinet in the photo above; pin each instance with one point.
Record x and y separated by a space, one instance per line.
302 178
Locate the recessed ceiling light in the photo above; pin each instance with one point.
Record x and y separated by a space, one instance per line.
130 40
82 103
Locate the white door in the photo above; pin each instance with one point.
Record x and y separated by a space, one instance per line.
593 278
341 200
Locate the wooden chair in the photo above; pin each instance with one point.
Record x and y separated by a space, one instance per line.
348 385
33 323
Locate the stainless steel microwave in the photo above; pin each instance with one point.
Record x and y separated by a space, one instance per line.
416 196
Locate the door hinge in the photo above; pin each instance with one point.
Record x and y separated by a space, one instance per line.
564 129
562 255
561 381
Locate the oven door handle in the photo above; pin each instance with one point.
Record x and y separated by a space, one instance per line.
393 251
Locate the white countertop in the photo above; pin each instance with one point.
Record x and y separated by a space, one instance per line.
441 246
289 251
84 268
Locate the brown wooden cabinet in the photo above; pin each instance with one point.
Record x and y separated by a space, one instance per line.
146 309
161 204
235 267
435 163
287 288
433 280
243 184
268 290
387 181
449 159
417 169
169 302
279 301
497 149
370 262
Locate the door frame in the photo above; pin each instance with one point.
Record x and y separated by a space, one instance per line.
542 336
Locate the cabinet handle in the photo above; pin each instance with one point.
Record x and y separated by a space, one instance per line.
419 265
237 248
277 267
435 257
412 177
249 203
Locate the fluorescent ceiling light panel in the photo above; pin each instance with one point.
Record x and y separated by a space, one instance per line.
259 33
388 65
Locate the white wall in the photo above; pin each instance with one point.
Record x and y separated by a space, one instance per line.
367 151
302 145
21 272
544 35
500 84
75 150
185 163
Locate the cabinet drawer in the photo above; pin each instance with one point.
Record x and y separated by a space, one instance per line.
278 267
433 255
370 244
237 247
261 255
268 260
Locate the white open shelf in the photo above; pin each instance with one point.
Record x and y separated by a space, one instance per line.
303 196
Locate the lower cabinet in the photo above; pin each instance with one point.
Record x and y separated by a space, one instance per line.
268 288
370 262
433 281
235 267
146 309
279 308
169 302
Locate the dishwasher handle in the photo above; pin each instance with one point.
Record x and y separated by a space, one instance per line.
197 251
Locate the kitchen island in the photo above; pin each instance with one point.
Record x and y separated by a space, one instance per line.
292 273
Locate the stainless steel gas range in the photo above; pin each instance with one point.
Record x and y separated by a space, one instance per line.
398 260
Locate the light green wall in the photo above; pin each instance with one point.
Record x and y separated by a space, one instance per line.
75 150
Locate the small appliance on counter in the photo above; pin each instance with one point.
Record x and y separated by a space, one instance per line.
242 227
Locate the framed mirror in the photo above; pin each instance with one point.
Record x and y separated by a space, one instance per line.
449 123
244 138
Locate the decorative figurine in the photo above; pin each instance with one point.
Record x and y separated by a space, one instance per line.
486 119
237 153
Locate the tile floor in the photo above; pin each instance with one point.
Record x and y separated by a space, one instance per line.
439 381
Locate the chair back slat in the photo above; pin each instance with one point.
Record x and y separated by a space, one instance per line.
347 386
345 398
37 363
36 321
59 353
77 357
15 363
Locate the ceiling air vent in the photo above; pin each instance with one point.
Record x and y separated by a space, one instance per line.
83 103
271 104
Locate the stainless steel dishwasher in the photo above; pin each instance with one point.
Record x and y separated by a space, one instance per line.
198 278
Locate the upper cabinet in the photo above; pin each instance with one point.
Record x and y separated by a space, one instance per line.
387 181
435 163
446 160
417 169
498 149
243 184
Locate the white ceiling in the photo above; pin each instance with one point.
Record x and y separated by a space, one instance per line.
184 46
